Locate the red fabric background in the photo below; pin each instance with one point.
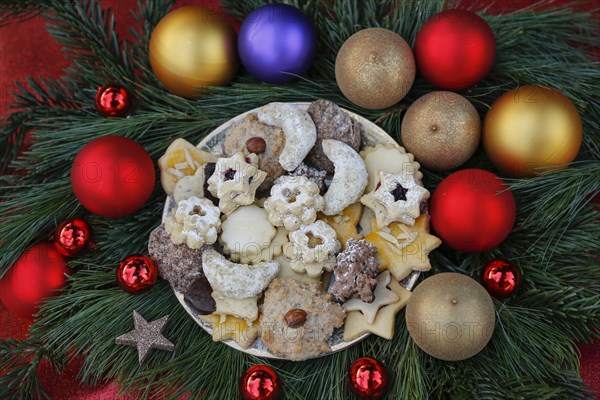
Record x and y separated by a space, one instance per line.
26 49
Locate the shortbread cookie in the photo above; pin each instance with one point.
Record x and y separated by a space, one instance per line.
346 223
396 198
195 222
235 180
356 324
355 271
391 159
297 319
275 248
237 280
402 248
367 221
227 327
294 201
286 271
266 141
245 308
299 130
349 180
246 232
176 263
181 159
332 123
383 296
189 186
314 248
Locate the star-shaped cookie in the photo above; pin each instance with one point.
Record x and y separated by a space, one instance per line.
228 327
357 324
396 198
402 248
345 223
383 297
146 336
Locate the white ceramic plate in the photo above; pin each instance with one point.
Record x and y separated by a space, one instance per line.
373 135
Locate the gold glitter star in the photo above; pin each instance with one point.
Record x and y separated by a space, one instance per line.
146 336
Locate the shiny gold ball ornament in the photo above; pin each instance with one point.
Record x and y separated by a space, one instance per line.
450 316
442 129
532 129
375 68
193 47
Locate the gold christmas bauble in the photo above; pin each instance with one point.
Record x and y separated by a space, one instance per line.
442 129
193 47
375 68
450 316
532 129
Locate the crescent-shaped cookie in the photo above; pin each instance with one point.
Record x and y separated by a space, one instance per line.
349 180
237 280
299 130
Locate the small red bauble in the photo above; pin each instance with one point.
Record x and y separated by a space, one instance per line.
472 210
72 237
112 176
137 273
113 100
455 49
259 382
37 274
368 378
501 278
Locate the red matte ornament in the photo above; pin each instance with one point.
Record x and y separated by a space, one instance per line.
501 278
368 378
38 273
137 273
472 210
72 237
259 382
455 49
112 176
113 100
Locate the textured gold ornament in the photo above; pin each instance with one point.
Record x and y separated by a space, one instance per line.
442 129
450 316
193 47
375 68
532 129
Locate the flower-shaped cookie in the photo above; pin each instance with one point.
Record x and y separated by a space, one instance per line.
314 248
294 201
194 222
396 198
235 181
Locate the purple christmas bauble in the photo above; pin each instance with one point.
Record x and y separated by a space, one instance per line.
276 42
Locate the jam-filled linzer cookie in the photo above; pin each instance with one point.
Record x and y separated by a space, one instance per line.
292 229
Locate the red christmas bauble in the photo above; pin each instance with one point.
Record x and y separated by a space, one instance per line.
455 49
469 213
112 176
368 378
72 237
113 100
259 382
37 274
501 278
137 273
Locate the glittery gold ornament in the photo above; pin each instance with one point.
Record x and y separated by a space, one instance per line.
193 47
375 68
450 316
532 129
442 130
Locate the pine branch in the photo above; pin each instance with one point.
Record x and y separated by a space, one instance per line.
555 242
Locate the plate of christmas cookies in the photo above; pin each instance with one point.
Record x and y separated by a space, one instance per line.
293 230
